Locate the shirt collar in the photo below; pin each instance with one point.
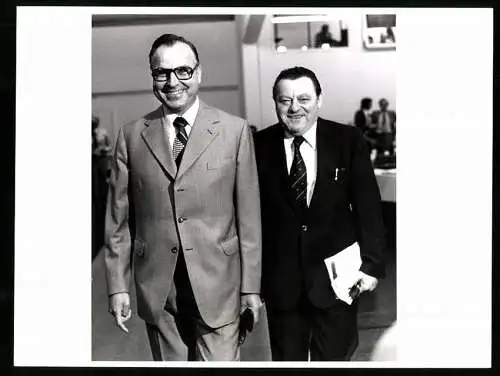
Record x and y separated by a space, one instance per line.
189 114
309 136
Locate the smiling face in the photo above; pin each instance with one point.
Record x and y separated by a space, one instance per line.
297 104
177 95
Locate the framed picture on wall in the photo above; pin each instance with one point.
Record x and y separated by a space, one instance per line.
307 32
379 31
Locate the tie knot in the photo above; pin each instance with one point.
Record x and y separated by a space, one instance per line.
297 141
180 122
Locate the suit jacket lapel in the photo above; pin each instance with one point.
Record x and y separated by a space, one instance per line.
156 138
202 134
326 153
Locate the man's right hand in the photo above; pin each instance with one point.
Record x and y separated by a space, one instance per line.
119 307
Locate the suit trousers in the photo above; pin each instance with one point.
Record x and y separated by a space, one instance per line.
181 333
384 143
326 334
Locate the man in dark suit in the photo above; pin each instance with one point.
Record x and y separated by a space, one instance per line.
362 117
319 195
182 212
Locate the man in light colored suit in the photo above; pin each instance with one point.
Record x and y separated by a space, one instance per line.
384 127
183 210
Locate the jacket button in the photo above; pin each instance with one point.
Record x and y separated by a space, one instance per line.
181 219
174 250
140 252
304 228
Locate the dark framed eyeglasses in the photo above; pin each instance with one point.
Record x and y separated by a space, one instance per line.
182 73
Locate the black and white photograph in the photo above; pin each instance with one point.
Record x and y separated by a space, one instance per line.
234 204
184 246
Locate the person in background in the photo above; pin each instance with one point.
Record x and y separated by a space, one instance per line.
182 212
101 145
362 117
384 126
101 142
323 36
318 195
363 120
390 37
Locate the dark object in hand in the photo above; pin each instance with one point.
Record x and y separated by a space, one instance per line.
354 291
246 324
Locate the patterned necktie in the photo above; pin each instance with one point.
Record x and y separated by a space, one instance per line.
180 139
298 174
385 123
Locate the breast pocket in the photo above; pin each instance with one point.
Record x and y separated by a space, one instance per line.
139 248
230 245
338 184
219 163
338 175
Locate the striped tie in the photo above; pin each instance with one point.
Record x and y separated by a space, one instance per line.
180 139
298 174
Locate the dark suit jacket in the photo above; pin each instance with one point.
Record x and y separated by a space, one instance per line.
360 120
341 212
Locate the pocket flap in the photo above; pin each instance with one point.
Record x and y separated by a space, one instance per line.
218 163
230 245
337 175
139 247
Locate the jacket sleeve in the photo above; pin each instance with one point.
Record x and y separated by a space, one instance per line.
247 203
365 200
394 122
117 234
359 120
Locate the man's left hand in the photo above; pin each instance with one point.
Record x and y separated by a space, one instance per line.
366 282
253 302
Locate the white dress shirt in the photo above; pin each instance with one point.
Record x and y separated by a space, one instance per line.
367 117
309 155
189 115
383 123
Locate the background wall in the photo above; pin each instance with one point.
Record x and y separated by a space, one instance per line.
346 73
121 83
240 65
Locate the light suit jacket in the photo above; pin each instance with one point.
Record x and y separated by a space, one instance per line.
209 207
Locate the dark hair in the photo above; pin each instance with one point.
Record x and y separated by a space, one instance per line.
169 40
366 103
293 74
95 122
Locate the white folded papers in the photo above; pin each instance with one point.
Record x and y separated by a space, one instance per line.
343 270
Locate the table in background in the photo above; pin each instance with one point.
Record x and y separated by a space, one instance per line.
386 180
